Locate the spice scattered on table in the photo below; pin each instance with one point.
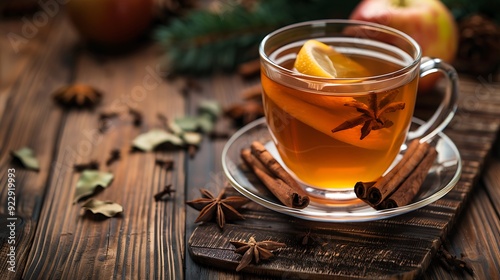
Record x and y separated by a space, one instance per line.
27 158
452 263
181 133
104 120
156 139
214 135
90 181
136 116
77 95
256 251
220 208
113 156
284 187
107 208
402 183
165 193
167 164
244 113
91 165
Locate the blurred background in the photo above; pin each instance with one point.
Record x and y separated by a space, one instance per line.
200 37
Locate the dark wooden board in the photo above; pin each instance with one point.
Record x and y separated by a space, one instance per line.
400 248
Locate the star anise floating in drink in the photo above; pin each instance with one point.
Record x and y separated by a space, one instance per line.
372 114
253 250
221 208
77 95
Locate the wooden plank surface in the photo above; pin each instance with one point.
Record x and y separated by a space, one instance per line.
146 240
58 241
149 240
30 119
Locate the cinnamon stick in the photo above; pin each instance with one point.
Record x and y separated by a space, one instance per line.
252 92
387 184
249 68
400 185
282 186
260 152
361 189
410 187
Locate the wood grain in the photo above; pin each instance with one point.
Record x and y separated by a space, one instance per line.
31 119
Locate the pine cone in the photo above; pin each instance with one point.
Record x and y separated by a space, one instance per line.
479 44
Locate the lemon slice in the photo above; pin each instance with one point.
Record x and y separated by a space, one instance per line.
318 59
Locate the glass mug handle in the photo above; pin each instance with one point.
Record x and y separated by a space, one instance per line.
446 110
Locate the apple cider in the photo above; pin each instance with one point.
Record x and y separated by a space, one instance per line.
330 138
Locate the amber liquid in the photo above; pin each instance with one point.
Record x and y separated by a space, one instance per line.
301 122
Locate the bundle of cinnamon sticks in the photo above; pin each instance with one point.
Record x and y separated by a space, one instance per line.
279 182
401 184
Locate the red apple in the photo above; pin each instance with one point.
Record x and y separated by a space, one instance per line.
429 22
110 22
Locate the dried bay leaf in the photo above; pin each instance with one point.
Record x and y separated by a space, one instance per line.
205 123
90 180
210 107
106 208
192 138
174 128
27 158
150 140
208 112
187 123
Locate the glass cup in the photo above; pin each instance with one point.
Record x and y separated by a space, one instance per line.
333 132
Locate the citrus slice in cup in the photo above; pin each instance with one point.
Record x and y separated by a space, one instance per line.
318 59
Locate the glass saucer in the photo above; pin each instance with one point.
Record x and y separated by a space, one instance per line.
442 177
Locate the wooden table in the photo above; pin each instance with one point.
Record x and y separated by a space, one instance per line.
149 240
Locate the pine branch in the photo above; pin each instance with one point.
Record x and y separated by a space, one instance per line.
206 41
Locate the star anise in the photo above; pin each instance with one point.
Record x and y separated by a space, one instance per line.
77 95
372 114
253 250
221 208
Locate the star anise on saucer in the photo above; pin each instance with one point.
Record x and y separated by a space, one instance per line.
77 95
221 208
372 114
253 250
